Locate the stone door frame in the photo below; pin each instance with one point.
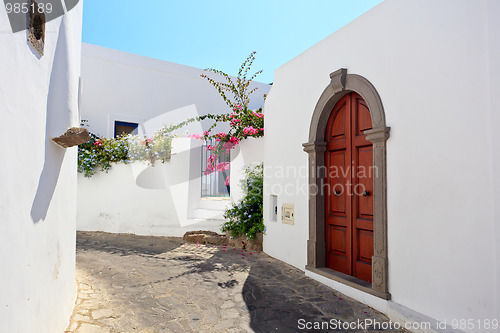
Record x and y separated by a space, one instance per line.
342 83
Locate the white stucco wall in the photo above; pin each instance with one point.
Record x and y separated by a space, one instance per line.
494 68
166 199
38 101
249 153
149 200
430 61
121 86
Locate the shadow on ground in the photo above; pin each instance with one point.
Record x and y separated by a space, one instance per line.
162 284
280 298
125 244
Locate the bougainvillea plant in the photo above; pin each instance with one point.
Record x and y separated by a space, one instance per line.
243 122
98 153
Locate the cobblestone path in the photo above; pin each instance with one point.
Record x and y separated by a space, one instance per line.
143 284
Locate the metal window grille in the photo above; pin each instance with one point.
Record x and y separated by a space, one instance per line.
215 177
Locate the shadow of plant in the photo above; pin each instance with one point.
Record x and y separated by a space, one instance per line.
221 261
173 276
126 244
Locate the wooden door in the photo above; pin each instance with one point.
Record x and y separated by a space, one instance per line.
349 189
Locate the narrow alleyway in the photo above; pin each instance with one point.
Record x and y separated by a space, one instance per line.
131 283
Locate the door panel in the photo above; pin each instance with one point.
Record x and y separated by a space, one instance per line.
364 182
363 255
338 205
349 189
339 126
364 121
337 182
340 253
338 239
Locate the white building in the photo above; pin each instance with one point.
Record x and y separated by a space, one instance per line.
406 91
120 88
423 242
38 101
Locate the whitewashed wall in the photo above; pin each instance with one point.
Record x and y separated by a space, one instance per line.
435 65
494 68
164 200
128 87
248 153
38 101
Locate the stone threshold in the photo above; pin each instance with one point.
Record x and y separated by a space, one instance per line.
349 280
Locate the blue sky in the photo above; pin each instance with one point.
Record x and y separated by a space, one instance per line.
218 33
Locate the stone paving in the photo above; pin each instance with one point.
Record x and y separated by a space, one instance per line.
144 284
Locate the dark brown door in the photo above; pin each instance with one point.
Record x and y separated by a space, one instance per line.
349 189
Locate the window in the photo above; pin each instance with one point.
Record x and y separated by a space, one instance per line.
124 128
215 173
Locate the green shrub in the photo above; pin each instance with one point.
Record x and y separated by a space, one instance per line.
98 154
245 217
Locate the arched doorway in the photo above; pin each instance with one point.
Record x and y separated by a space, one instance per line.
349 188
342 84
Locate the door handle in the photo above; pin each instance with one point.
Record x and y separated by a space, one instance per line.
366 193
336 193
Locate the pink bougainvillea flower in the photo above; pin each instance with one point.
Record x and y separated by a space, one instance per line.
227 146
208 171
222 166
249 130
220 136
195 136
228 181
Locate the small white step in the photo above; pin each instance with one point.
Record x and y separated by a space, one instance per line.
208 214
214 203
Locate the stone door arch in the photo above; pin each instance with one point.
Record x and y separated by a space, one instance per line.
342 83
